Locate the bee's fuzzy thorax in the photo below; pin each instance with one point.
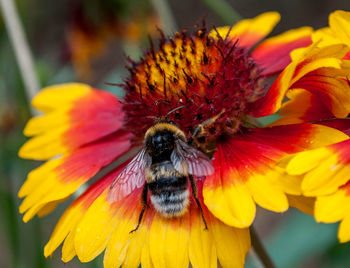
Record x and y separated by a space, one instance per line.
158 171
164 126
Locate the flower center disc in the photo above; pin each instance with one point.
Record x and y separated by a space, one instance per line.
206 75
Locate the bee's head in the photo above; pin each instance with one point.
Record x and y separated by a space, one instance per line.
161 137
160 142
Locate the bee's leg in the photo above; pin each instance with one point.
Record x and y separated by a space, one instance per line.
200 128
194 194
144 205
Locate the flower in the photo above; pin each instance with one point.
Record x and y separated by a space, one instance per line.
209 80
324 171
326 177
91 29
91 223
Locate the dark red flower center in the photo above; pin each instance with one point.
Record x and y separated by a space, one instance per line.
203 76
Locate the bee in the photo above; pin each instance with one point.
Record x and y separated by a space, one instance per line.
165 167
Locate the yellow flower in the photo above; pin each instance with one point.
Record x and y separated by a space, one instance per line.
327 178
337 32
325 171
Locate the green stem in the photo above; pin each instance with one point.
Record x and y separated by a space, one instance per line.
21 48
223 10
9 209
260 250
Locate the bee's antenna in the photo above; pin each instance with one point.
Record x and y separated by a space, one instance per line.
151 117
173 110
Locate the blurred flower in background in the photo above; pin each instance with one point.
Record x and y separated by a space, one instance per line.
95 24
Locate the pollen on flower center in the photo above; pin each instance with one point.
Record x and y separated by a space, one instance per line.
206 75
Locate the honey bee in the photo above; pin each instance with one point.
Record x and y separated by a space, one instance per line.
165 167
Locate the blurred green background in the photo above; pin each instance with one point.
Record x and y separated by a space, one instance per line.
77 40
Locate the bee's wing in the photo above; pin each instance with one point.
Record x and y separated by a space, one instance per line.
131 177
188 160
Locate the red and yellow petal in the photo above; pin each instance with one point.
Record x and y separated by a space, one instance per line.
80 134
202 250
325 169
63 176
75 115
318 70
230 254
335 207
303 203
75 212
267 193
59 96
324 37
340 124
339 22
332 187
233 205
302 107
344 229
94 229
273 54
134 253
124 218
246 171
249 31
332 208
328 87
169 240
92 224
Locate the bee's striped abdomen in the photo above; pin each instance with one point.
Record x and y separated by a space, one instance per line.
169 193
